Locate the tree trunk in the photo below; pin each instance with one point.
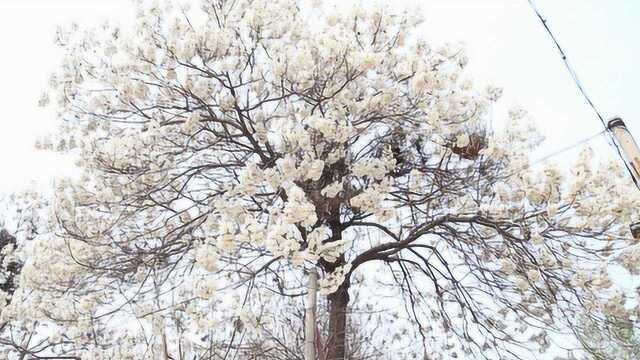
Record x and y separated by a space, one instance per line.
336 343
339 300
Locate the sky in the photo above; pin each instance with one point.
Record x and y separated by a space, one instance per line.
506 43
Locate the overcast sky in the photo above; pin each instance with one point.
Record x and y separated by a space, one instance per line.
507 47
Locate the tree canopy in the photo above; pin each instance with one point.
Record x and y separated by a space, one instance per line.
227 149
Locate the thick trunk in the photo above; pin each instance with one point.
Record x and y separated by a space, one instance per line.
336 342
339 300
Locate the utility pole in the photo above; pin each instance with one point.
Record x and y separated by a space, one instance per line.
631 155
628 145
310 317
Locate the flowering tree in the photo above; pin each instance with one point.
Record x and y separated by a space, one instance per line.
18 218
226 150
609 339
10 267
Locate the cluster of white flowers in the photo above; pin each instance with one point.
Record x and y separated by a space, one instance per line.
206 257
282 240
315 170
191 123
333 280
373 200
331 130
298 210
508 267
205 288
332 190
463 140
374 168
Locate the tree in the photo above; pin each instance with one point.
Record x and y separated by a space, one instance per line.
18 218
10 267
609 339
224 150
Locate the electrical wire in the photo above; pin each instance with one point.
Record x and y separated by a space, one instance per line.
565 59
576 80
555 153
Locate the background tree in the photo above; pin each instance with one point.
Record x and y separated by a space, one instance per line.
19 225
609 339
225 149
10 267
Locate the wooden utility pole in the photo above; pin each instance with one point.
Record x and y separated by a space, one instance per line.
631 155
310 317
628 145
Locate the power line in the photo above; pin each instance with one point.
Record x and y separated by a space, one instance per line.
576 80
555 153
565 59
567 148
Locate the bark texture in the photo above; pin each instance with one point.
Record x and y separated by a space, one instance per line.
338 305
